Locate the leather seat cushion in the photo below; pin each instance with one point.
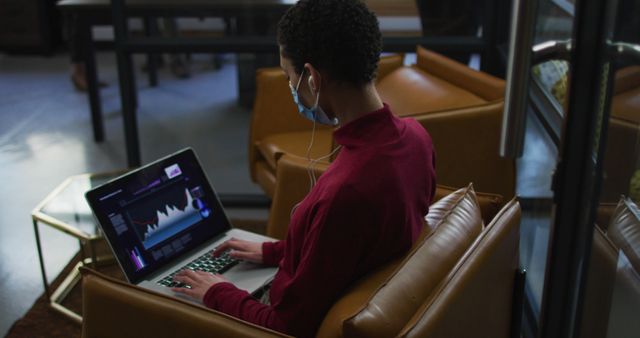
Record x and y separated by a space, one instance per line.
395 301
409 90
295 143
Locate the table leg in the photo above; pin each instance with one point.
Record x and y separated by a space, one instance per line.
94 257
127 94
83 253
127 88
131 74
93 88
42 270
151 29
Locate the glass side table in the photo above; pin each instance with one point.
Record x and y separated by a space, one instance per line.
65 209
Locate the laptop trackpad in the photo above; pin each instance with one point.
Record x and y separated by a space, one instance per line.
249 276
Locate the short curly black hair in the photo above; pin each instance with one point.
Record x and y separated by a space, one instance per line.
341 37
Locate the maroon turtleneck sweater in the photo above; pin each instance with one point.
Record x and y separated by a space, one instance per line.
366 209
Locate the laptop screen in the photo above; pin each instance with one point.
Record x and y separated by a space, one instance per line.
155 213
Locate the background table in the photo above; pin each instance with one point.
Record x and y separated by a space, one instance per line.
254 37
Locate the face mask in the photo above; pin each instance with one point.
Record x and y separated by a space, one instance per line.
315 113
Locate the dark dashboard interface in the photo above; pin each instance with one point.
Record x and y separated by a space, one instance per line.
155 213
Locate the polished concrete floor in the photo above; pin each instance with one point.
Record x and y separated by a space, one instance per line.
45 136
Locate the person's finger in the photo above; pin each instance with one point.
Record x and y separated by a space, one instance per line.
189 274
189 292
225 246
184 279
244 255
220 249
203 274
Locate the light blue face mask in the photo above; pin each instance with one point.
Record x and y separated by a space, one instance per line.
315 113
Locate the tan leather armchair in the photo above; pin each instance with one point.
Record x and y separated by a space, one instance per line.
454 247
460 107
612 294
295 184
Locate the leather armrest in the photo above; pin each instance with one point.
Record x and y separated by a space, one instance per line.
389 63
112 308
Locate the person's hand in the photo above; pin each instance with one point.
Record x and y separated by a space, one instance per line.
199 281
241 249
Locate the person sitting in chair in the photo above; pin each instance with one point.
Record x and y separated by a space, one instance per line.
366 209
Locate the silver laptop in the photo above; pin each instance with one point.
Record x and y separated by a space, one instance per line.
165 217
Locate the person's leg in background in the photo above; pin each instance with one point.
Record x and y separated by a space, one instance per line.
75 37
177 62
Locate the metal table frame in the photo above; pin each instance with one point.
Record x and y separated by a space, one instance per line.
87 249
126 45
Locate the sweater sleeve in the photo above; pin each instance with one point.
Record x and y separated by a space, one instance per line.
229 299
272 252
328 263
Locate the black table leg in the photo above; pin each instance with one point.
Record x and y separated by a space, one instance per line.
127 94
127 87
151 29
129 107
93 87
131 72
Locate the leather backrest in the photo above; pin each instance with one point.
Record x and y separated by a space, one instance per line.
624 230
390 306
475 299
112 308
292 185
488 87
411 90
468 143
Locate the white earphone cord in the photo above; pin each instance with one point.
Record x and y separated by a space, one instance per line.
312 163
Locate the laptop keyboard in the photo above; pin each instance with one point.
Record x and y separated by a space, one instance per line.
206 263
